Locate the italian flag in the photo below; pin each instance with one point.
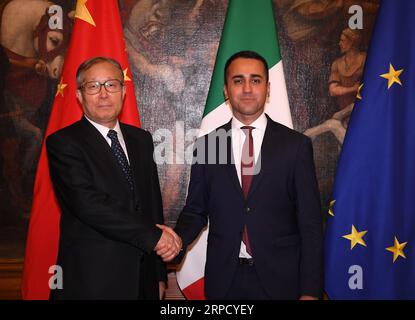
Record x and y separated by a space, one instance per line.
249 25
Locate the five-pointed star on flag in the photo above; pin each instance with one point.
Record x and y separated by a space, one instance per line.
82 12
126 78
397 249
61 86
392 76
358 95
331 205
355 237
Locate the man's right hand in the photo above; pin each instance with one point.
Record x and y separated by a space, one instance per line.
169 245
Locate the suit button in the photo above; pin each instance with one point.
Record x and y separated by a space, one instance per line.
248 210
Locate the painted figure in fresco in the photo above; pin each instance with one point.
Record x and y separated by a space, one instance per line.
306 31
301 16
172 47
34 54
309 32
344 82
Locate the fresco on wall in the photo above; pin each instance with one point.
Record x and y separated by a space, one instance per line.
32 56
323 64
172 46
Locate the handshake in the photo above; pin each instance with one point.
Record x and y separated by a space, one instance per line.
169 245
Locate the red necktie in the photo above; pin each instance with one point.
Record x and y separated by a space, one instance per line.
247 168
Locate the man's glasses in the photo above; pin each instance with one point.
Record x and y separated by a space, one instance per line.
94 87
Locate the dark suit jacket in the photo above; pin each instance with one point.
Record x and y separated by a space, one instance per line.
282 213
107 233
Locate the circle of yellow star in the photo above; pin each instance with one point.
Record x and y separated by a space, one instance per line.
397 250
355 237
392 76
331 205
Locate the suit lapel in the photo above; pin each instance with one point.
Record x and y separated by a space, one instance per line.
230 165
265 156
96 141
100 147
134 156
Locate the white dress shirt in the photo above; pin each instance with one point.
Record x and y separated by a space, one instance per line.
103 130
238 139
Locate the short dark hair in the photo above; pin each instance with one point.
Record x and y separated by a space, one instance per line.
93 61
246 54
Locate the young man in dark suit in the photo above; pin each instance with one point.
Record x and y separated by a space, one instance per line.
254 180
108 191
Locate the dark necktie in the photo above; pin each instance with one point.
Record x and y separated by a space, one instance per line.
247 169
121 157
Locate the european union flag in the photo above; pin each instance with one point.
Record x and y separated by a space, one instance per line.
370 240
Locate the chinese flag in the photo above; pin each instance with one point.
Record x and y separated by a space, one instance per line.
97 31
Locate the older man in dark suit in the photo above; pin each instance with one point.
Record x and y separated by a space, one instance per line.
254 180
107 187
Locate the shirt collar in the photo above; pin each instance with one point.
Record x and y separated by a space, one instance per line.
103 129
260 123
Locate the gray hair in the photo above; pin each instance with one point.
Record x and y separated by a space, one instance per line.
93 61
